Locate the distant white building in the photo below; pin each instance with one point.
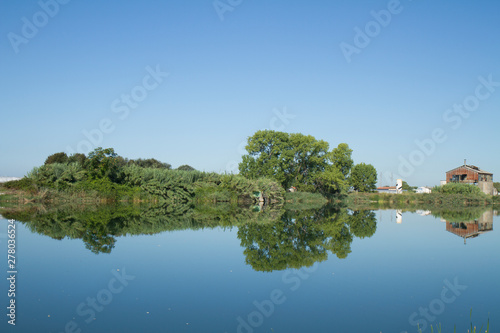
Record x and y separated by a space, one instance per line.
8 179
387 189
424 189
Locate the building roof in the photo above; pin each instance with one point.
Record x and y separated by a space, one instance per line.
472 168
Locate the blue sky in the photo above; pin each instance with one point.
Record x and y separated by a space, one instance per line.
230 77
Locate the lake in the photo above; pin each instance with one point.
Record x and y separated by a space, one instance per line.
256 269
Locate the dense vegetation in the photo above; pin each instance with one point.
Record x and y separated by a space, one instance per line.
458 188
408 199
303 162
106 176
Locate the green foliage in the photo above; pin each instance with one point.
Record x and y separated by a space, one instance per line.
497 186
150 163
186 167
342 160
23 184
291 159
408 200
458 188
330 181
363 177
57 175
57 158
408 188
106 189
108 176
77 158
183 186
102 163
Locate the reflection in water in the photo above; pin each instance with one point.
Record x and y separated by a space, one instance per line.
302 238
466 223
472 228
273 238
399 216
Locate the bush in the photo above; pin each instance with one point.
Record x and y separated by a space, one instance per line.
24 184
458 188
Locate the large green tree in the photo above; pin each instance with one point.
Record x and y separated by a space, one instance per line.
363 177
102 163
56 158
150 163
293 160
186 167
342 159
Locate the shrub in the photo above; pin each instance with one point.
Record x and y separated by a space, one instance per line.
457 188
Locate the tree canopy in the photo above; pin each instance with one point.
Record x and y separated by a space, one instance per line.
186 167
299 160
57 158
149 163
363 177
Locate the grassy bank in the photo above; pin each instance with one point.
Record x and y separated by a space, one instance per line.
405 200
304 200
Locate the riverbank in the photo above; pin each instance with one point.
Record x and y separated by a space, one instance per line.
146 185
405 200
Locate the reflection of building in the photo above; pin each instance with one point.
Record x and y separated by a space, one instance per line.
470 174
399 216
472 229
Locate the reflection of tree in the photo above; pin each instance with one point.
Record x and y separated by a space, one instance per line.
99 226
460 215
285 243
301 238
97 240
274 239
363 223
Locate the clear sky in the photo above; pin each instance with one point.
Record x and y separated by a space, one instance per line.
378 75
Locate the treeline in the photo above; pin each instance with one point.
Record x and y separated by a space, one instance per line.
105 175
302 162
276 161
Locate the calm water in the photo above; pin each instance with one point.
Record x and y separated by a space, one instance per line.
169 270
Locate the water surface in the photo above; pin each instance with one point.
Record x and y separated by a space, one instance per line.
178 269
